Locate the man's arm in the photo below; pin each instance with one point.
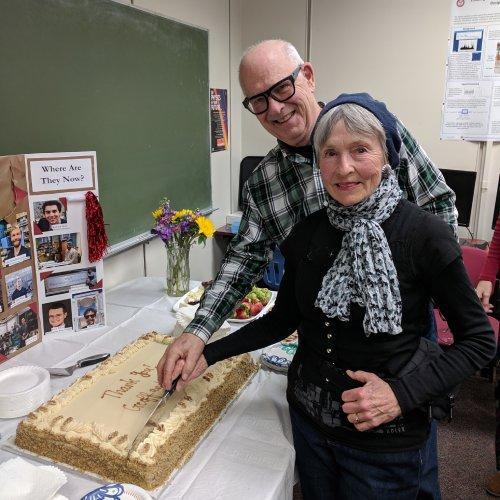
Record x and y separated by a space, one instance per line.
245 259
422 181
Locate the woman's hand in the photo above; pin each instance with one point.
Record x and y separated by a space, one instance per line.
372 404
484 290
199 368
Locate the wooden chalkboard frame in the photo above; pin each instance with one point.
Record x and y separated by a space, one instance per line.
79 80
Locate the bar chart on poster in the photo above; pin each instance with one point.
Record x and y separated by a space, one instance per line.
101 76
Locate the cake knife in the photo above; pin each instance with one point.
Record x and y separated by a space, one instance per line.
66 372
166 395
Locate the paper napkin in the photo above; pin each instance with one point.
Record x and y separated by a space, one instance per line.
22 480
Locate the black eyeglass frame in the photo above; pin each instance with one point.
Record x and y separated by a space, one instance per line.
268 93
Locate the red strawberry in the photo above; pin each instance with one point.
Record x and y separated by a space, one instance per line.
242 311
255 308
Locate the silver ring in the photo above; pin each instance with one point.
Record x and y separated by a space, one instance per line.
357 418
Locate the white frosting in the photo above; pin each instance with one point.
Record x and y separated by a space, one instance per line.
111 404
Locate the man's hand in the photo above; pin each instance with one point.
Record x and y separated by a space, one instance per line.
484 290
181 356
373 404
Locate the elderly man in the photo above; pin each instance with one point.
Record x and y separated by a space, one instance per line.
284 189
17 248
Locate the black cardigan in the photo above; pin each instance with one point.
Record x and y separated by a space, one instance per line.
429 265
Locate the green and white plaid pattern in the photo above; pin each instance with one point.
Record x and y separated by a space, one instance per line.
283 190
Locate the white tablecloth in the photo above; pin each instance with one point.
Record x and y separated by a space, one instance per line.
249 453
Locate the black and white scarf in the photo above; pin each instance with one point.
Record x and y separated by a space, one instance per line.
364 272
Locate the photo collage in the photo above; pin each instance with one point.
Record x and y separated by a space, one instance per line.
67 280
47 284
19 323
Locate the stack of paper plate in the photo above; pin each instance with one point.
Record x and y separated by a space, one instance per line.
23 389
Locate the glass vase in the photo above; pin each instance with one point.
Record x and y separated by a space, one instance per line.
177 267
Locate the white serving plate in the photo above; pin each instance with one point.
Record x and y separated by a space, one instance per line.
183 302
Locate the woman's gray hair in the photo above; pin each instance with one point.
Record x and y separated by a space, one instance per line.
357 120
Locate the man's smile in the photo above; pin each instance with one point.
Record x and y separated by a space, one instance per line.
285 118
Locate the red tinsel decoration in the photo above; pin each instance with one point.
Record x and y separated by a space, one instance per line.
97 238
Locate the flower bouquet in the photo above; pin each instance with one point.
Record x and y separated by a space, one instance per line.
179 229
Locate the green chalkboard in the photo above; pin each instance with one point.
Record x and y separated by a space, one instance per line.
85 75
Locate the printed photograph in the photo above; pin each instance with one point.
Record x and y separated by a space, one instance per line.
57 316
51 214
15 242
60 283
88 309
58 250
18 331
19 285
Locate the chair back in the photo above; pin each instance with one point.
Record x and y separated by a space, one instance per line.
247 166
274 271
474 259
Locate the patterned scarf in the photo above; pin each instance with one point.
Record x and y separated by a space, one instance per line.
363 271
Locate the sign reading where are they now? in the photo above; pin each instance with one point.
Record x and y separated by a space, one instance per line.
75 173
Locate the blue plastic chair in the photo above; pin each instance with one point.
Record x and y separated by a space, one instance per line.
274 271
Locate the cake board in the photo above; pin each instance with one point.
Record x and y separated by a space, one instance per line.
251 390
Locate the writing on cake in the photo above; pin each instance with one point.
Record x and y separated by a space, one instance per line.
141 399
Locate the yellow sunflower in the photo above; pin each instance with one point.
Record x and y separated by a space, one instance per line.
182 213
157 213
206 226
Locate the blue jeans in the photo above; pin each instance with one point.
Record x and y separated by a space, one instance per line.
329 470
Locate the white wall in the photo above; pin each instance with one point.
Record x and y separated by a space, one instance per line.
397 52
264 19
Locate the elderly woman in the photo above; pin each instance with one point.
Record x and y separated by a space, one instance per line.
358 281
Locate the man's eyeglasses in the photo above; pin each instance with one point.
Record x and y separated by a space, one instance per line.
281 92
87 316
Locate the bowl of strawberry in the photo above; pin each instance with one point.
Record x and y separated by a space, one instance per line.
254 304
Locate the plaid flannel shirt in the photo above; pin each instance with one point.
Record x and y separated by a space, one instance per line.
284 189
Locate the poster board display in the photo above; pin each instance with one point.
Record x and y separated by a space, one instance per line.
47 283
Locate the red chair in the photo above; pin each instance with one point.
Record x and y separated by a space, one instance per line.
474 259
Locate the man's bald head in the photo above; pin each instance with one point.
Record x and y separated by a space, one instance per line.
268 53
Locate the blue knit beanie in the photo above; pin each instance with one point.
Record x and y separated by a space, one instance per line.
379 109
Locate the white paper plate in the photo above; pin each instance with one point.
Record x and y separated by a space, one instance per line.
123 491
21 380
265 309
183 300
22 389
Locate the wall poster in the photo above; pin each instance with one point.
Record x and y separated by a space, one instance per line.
218 120
471 105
